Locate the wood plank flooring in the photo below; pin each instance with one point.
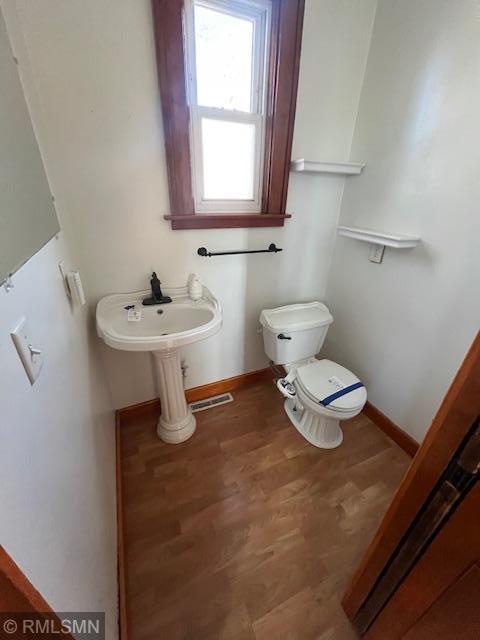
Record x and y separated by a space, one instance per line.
247 532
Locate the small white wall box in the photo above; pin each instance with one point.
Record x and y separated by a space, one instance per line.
73 286
30 355
76 288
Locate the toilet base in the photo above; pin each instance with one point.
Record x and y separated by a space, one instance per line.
320 430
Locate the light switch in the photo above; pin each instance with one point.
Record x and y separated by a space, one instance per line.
30 355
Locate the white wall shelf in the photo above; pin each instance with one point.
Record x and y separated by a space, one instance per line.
395 240
341 168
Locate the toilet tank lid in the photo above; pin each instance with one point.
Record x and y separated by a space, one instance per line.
295 317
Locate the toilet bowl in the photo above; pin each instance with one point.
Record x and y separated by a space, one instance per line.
316 381
319 394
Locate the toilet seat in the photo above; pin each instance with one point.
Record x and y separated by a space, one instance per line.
320 379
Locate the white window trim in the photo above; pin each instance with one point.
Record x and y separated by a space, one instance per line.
259 11
203 204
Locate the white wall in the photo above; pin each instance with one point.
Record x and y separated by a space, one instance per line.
404 326
57 453
57 445
95 75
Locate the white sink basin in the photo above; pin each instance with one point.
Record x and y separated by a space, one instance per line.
162 329
163 326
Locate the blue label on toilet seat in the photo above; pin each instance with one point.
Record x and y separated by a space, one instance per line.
338 394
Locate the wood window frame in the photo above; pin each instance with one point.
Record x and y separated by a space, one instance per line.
283 70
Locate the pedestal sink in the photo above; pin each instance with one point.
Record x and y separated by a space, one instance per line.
162 330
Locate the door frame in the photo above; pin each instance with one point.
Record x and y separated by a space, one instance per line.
458 411
18 595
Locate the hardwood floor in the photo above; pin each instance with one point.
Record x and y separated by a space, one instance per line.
247 532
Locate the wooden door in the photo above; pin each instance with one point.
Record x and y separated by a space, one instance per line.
440 597
420 577
18 596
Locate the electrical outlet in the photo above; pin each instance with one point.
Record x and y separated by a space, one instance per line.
376 253
30 355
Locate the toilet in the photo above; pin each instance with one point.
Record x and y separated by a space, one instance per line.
318 393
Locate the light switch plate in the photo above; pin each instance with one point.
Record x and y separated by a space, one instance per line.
30 355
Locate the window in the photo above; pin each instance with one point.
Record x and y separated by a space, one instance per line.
226 61
228 72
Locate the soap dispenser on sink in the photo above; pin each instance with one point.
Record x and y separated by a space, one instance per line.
195 288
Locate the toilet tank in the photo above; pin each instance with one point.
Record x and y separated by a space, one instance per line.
294 332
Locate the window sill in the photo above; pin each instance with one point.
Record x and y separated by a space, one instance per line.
227 220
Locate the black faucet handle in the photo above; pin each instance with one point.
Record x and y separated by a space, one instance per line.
157 296
155 284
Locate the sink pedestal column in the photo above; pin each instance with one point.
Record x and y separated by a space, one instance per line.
176 423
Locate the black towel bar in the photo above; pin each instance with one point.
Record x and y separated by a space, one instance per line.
208 254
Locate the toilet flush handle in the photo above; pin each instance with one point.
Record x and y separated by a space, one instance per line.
281 336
